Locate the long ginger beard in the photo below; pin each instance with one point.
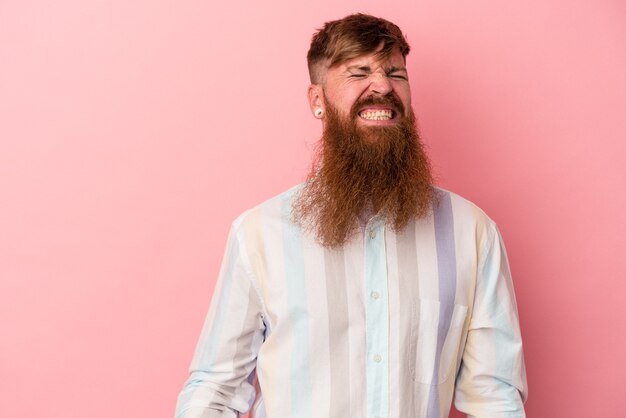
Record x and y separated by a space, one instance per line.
383 168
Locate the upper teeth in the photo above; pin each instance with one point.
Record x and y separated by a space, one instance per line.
376 114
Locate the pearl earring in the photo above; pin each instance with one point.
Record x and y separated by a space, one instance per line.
318 112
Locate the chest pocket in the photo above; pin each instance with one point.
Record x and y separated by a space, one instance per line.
436 347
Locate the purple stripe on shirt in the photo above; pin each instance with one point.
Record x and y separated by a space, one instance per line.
446 264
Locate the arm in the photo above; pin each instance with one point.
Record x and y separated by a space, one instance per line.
222 369
492 380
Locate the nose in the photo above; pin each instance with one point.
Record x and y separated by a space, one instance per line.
380 84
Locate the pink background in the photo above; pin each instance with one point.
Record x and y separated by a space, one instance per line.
133 132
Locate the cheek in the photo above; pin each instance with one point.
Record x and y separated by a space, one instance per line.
345 101
404 94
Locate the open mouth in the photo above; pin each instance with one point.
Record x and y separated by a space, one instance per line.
377 114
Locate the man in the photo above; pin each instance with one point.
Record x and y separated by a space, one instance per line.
366 291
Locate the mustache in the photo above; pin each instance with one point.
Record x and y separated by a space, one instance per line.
390 100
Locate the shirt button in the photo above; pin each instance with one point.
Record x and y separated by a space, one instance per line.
372 234
375 295
377 358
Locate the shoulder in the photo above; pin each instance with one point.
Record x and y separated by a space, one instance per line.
460 205
464 214
275 210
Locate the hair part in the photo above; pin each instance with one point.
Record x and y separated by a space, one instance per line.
353 36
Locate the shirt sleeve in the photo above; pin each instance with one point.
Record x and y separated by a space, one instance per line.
220 384
492 379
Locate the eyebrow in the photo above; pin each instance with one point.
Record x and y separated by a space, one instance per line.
396 69
359 67
367 69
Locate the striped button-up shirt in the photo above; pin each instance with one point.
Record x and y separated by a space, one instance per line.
392 324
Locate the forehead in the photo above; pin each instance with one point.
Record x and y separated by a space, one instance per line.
373 61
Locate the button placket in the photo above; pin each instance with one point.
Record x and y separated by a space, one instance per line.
377 314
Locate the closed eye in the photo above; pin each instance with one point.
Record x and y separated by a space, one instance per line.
397 77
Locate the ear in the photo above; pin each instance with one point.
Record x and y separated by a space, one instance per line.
316 98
